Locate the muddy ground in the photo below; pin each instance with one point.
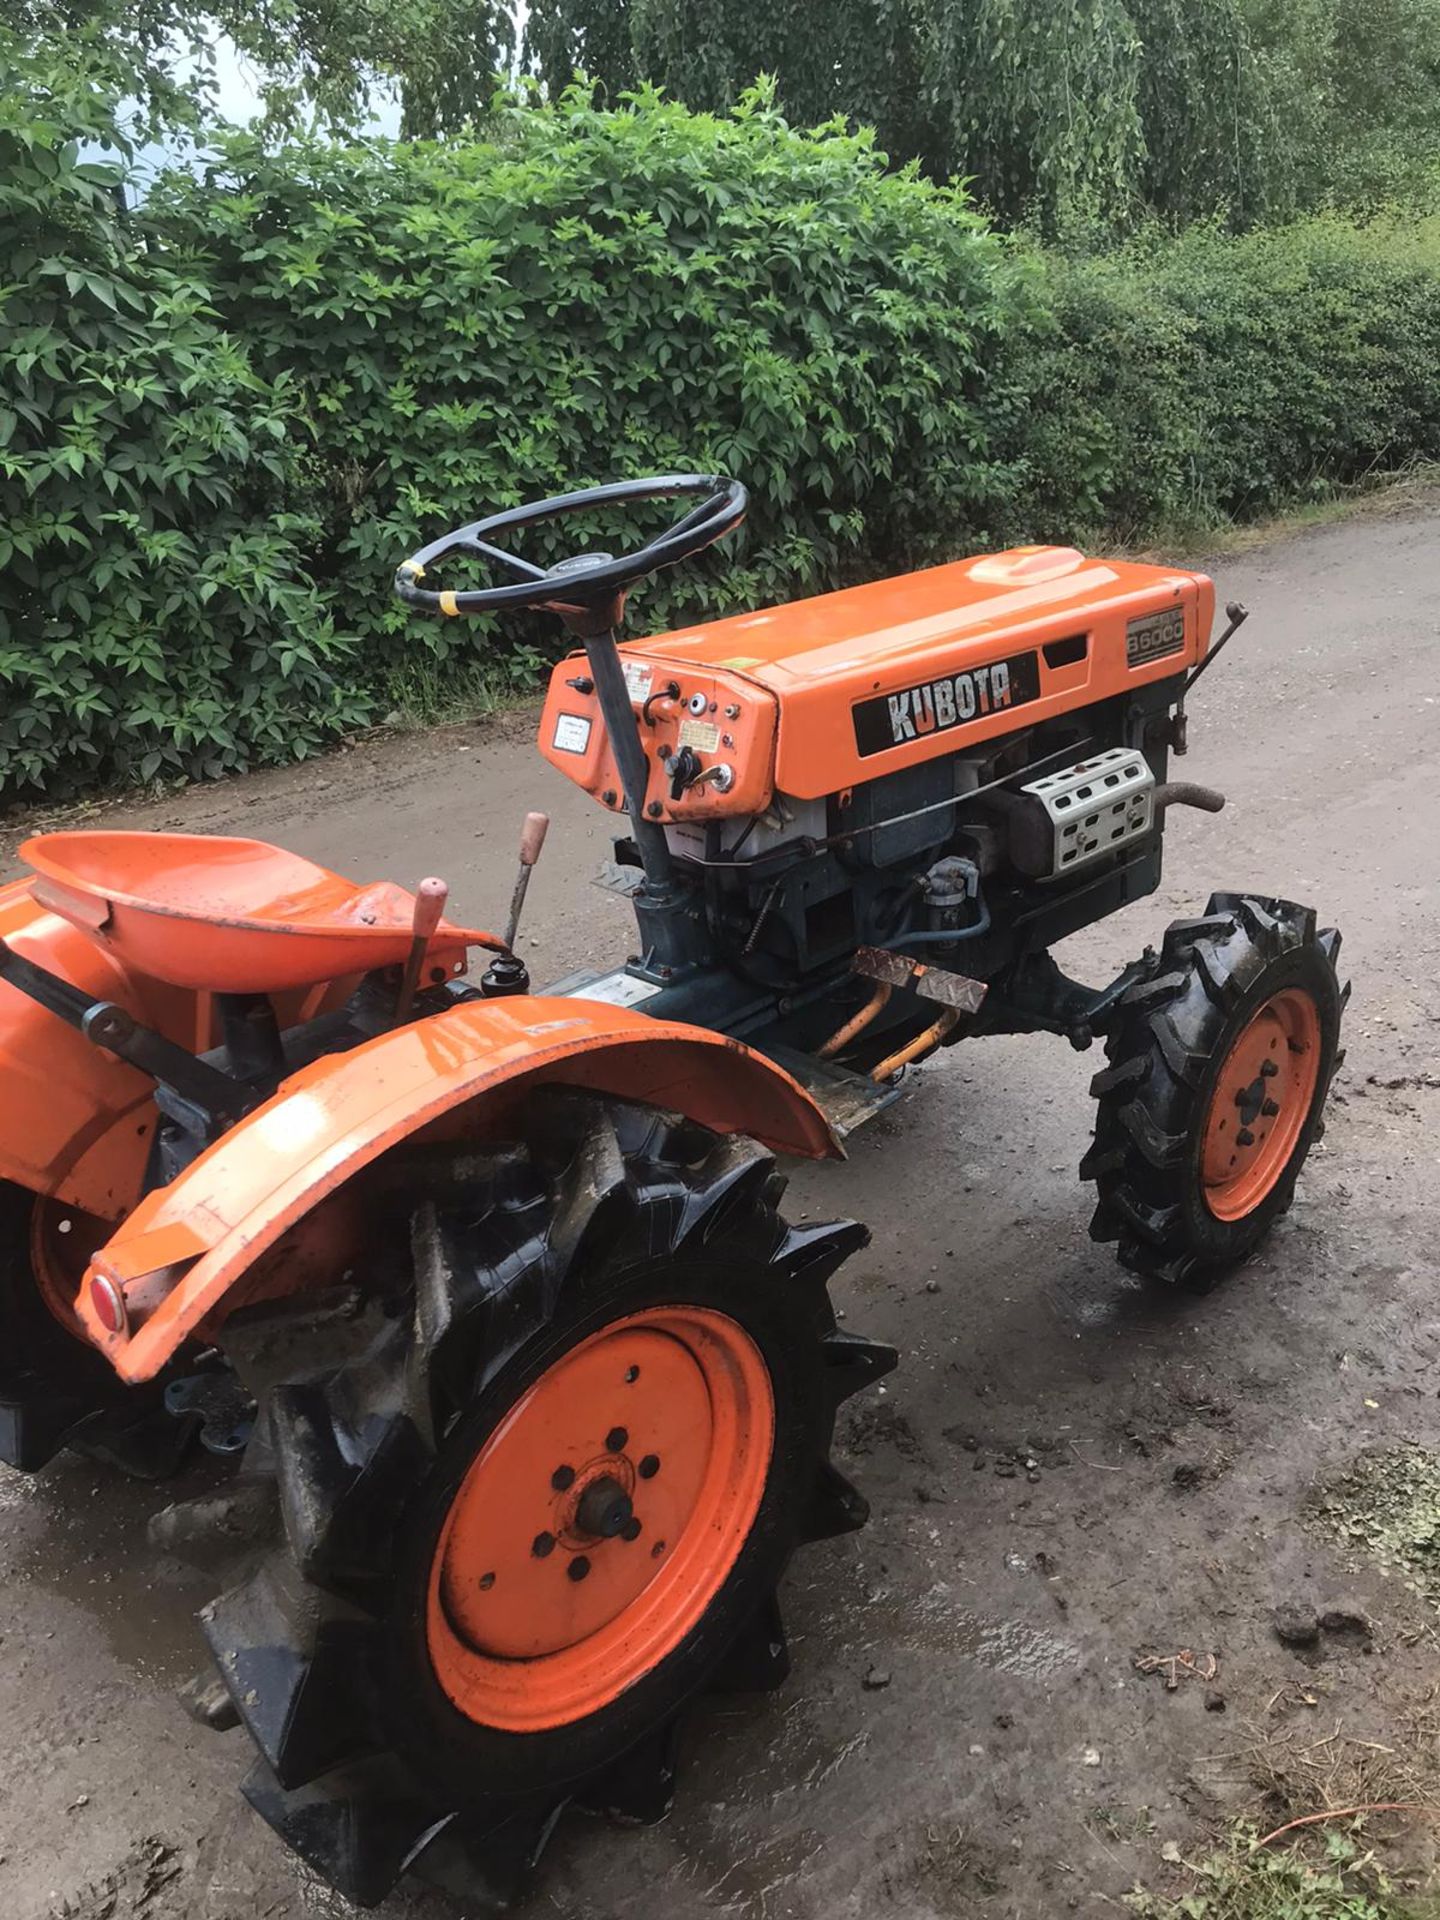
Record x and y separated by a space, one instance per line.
1069 1473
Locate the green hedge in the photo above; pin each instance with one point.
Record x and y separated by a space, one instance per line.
155 612
591 294
224 421
1183 382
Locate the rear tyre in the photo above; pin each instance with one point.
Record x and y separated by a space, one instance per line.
56 1390
540 1500
1219 1065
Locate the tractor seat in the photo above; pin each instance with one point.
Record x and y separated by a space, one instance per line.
225 915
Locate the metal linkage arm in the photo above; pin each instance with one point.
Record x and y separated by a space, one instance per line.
107 1025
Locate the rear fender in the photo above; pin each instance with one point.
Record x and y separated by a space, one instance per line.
182 1257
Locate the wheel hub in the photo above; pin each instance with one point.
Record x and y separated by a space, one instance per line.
1263 1098
600 1517
604 1511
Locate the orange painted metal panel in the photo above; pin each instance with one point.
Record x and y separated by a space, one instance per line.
812 663
722 715
209 913
336 1116
75 1122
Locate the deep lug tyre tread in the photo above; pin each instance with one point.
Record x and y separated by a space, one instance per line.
1162 1054
365 1768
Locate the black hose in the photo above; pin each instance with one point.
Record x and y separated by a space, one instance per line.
948 936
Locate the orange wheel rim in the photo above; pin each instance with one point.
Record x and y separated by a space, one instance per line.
1260 1105
601 1517
61 1242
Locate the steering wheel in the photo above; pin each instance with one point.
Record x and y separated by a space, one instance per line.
588 590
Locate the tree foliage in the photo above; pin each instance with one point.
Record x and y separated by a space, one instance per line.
1065 110
324 58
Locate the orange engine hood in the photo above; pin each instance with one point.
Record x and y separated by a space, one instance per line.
821 694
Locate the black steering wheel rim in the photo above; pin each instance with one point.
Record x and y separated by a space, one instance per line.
590 587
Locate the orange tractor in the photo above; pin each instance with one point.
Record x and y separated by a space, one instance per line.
528 1385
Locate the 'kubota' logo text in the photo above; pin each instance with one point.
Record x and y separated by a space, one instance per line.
895 719
946 702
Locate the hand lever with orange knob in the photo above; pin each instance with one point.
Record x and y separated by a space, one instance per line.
430 898
532 839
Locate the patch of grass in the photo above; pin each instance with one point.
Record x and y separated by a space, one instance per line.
426 693
1297 1775
1413 486
1240 1881
1388 1503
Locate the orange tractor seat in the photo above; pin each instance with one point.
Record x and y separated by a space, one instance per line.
227 915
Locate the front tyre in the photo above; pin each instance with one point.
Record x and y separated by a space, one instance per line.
538 1503
1220 1060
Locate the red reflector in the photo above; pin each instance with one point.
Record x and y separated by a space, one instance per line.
109 1304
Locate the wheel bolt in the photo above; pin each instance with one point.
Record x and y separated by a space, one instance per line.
1270 1108
631 1529
615 1440
579 1567
1269 1068
1245 1137
542 1544
649 1466
562 1478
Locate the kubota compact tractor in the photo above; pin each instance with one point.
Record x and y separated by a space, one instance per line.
531 1387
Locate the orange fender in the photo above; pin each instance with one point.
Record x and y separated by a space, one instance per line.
180 1258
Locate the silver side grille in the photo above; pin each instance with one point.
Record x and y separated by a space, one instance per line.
1096 805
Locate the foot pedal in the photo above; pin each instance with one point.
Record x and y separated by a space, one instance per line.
846 1099
955 990
613 878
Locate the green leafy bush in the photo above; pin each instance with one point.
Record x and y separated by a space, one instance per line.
1181 382
155 615
588 294
223 424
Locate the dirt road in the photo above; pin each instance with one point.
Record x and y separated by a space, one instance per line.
1069 1472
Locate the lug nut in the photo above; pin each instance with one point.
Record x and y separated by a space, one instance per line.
1245 1137
615 1440
1270 1108
578 1568
649 1466
1269 1068
542 1544
631 1529
562 1478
